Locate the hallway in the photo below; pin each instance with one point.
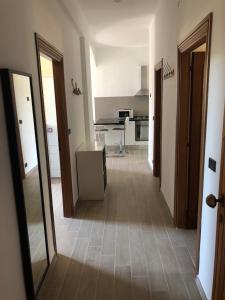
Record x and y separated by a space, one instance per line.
125 247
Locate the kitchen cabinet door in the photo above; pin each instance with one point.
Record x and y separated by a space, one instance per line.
130 133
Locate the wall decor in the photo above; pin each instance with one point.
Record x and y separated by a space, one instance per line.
168 71
76 89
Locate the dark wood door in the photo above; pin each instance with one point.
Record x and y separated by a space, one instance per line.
157 124
63 138
197 77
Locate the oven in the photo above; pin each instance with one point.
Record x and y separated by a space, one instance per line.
141 131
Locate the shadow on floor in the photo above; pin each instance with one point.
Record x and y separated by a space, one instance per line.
71 279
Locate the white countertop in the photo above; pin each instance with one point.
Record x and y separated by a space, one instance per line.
92 146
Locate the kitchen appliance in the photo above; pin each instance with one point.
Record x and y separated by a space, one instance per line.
144 91
141 129
124 113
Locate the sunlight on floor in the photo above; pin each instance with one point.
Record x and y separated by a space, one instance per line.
125 247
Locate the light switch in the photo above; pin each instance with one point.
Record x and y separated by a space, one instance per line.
212 164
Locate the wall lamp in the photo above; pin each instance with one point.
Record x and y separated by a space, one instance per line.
76 89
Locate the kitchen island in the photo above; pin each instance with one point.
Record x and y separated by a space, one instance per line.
91 171
128 133
111 121
111 132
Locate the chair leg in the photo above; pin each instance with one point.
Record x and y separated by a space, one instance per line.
121 142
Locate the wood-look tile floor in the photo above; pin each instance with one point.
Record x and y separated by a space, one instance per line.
125 247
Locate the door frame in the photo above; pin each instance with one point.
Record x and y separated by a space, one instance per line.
219 257
201 34
42 46
157 161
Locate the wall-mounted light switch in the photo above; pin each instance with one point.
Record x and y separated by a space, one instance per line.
212 164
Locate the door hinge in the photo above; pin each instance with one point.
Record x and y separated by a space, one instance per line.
221 219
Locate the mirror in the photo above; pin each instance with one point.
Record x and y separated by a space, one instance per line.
22 135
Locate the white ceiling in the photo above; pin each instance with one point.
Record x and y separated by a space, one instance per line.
123 24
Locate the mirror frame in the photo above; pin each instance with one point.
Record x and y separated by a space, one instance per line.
6 76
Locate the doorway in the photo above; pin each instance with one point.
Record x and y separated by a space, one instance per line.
157 152
219 270
194 139
54 112
193 68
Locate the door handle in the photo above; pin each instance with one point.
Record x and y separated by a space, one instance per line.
212 201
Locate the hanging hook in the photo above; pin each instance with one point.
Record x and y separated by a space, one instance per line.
76 90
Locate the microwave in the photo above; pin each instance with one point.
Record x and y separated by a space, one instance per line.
123 113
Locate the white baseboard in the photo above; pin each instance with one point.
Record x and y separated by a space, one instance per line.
150 165
200 288
128 147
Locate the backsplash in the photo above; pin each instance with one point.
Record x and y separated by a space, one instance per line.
107 107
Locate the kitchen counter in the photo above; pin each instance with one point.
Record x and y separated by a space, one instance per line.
92 146
91 171
139 118
115 121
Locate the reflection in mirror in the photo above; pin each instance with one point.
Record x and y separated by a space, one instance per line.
29 170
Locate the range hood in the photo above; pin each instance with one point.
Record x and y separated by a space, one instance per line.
144 91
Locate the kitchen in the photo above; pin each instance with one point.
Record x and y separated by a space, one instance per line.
122 122
123 132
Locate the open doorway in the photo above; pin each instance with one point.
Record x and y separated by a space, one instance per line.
193 67
158 120
195 125
56 132
51 130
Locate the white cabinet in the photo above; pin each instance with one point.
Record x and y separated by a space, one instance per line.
114 137
91 171
110 136
106 134
130 135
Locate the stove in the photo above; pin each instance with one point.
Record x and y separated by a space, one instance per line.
139 118
141 128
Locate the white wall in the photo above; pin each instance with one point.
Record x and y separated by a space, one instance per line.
118 70
191 14
93 80
50 116
52 129
163 44
166 21
25 113
19 21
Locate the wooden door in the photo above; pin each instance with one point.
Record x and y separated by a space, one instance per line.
195 121
157 124
63 138
219 273
182 151
43 47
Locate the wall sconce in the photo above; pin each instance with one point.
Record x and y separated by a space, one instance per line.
76 89
168 72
